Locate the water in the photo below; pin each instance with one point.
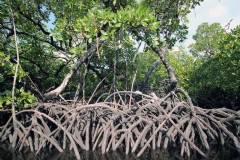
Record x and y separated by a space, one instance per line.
216 153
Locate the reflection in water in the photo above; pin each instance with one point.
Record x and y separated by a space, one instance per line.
216 153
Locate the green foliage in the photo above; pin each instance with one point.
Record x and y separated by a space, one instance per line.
22 99
47 55
217 80
207 40
25 98
182 62
5 98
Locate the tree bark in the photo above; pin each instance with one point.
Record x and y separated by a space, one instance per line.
65 81
171 75
150 70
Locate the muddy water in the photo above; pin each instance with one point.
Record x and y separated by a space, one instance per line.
216 153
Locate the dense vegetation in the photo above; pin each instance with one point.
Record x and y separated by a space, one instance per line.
215 82
113 29
80 53
46 55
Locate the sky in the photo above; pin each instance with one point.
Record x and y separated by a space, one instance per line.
221 11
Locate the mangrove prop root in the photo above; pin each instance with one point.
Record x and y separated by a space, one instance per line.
131 120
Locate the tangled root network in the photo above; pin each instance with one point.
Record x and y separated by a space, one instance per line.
131 120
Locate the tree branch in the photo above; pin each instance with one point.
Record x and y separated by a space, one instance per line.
60 68
64 83
92 68
51 42
34 22
35 63
15 74
150 70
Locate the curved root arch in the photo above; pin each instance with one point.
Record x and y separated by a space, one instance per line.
131 120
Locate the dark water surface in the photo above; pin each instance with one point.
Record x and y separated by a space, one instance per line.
216 153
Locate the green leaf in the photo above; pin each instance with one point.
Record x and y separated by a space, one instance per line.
1 78
22 90
8 102
1 54
1 102
117 25
90 40
104 33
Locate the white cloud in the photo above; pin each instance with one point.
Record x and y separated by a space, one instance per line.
217 11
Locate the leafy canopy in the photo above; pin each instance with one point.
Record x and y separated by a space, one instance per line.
207 39
217 80
47 55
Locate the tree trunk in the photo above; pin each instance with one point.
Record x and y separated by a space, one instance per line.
64 83
171 75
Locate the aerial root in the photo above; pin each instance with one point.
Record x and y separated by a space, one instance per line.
133 121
